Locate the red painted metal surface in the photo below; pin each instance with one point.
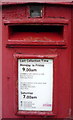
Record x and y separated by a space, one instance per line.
72 65
0 62
59 16
39 21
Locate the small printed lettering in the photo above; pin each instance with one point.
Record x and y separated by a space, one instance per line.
31 97
31 70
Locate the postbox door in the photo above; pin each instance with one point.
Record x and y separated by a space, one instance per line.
37 71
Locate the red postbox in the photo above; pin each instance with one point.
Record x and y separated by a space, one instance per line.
37 59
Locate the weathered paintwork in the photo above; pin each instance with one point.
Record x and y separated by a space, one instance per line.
18 44
0 62
72 63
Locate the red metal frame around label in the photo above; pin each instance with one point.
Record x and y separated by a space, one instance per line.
50 56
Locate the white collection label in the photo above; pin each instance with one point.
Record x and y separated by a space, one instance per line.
35 84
